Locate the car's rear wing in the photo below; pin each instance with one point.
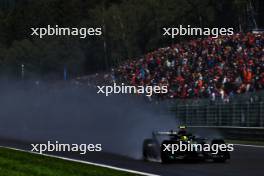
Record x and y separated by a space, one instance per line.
169 133
156 134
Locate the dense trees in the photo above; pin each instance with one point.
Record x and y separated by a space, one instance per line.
130 28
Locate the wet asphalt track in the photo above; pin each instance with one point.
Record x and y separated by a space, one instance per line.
245 161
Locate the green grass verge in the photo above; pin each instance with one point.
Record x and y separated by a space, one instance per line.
17 163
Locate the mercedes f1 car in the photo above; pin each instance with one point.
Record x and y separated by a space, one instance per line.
179 145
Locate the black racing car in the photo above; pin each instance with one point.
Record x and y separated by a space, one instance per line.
165 146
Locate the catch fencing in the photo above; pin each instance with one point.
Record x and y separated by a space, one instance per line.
246 110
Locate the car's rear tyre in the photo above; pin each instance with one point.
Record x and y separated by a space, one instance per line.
222 156
149 149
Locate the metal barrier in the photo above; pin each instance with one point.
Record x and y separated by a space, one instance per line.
245 110
231 132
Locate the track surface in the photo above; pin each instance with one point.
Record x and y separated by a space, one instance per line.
244 161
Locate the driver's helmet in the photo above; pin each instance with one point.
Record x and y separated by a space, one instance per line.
184 138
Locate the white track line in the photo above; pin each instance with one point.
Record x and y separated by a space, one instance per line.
246 145
85 162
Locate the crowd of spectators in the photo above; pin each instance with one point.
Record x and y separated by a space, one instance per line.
201 68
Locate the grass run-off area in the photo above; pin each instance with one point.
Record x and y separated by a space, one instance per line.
17 163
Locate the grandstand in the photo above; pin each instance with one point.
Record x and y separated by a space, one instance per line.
202 68
212 82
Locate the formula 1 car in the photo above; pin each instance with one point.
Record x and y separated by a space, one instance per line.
165 146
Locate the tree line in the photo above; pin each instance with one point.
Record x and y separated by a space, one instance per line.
130 28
